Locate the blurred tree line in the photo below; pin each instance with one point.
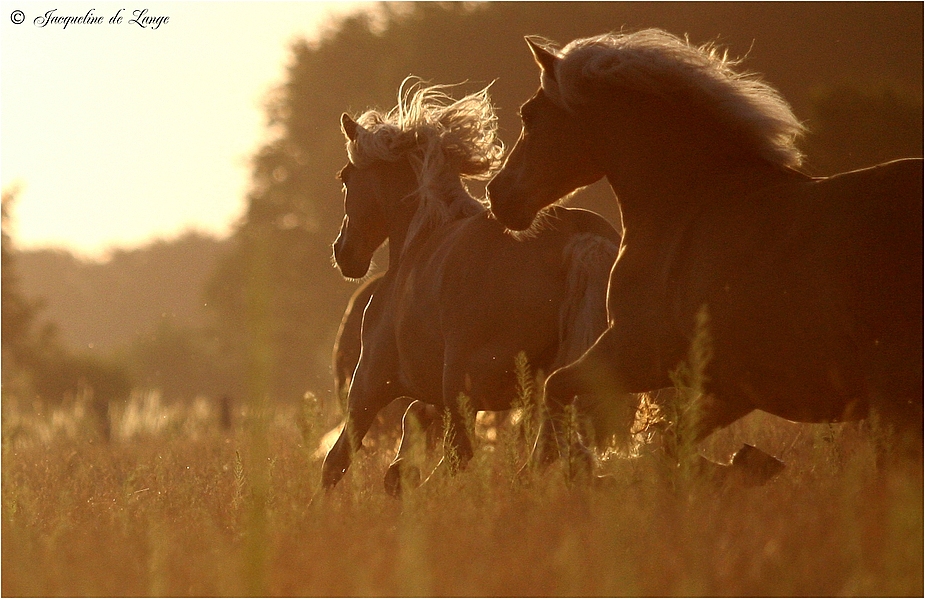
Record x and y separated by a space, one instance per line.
36 364
272 300
110 304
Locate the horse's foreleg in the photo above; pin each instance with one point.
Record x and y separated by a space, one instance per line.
561 436
417 419
545 449
459 413
457 446
340 455
370 391
557 436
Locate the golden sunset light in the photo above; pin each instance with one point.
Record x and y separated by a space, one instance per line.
118 133
462 299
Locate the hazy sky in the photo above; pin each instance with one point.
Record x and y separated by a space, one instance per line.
118 133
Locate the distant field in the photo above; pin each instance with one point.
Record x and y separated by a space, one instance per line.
175 506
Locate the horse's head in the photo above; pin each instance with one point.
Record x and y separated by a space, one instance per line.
406 167
372 194
549 160
650 110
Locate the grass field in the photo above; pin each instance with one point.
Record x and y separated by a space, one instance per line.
175 506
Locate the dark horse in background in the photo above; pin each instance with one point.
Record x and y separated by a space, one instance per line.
344 360
462 297
346 352
810 288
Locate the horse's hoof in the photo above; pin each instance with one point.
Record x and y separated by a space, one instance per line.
399 475
754 467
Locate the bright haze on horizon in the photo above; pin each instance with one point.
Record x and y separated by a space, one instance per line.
118 134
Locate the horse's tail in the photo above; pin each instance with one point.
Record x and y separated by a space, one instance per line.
588 257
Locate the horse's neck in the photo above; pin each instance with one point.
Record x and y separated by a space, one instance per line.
666 164
661 194
660 189
447 203
461 204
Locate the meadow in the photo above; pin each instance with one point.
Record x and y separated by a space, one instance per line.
175 505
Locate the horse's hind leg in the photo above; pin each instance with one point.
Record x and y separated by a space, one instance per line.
417 419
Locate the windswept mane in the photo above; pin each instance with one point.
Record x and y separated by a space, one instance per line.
655 62
445 140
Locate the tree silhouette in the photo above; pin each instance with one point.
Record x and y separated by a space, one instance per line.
35 364
18 313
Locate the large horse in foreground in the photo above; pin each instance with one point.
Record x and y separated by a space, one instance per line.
808 290
462 297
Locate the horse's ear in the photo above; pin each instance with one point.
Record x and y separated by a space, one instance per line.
543 57
349 126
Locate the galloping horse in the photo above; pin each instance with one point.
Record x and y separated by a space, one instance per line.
809 290
462 296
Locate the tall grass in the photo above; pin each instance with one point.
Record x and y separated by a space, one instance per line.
168 507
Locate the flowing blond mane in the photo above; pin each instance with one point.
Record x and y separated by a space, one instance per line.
445 140
655 62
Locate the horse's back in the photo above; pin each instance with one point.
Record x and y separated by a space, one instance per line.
814 291
885 199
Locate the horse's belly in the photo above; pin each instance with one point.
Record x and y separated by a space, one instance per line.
793 354
423 381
